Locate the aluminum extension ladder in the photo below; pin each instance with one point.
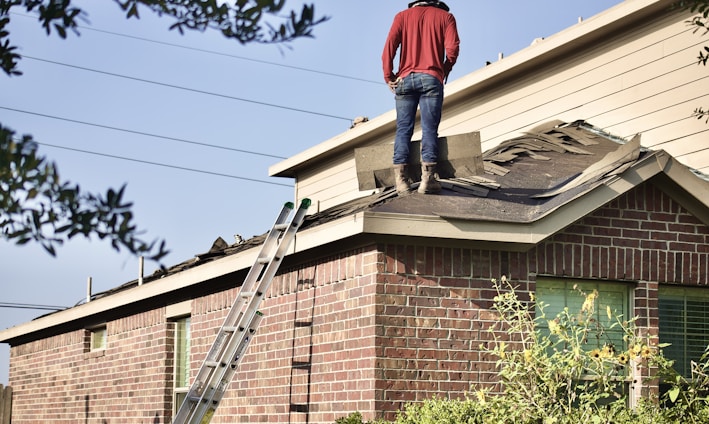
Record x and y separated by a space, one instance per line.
229 347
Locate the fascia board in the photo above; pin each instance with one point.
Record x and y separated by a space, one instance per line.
356 136
687 188
529 233
328 232
305 240
126 297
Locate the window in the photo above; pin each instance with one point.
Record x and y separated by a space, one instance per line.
559 294
182 361
684 323
98 338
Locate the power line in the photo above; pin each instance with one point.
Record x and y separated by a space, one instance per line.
188 89
217 53
163 165
298 68
31 306
181 140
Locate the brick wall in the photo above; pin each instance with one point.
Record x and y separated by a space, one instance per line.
312 359
365 330
433 302
59 379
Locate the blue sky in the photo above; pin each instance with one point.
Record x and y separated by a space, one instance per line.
257 102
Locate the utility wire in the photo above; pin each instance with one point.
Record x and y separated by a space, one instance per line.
298 68
181 140
214 52
31 306
163 165
188 89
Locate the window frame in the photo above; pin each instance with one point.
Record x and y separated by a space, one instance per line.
618 287
181 356
687 294
98 333
625 288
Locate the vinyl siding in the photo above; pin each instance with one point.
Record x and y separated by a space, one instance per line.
642 79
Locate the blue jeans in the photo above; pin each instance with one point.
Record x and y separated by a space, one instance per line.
426 91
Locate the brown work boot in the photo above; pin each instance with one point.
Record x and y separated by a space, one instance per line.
401 174
429 183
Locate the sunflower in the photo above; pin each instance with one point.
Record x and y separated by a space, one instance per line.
623 358
608 351
595 353
636 349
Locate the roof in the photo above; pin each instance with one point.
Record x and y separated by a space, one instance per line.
525 178
533 186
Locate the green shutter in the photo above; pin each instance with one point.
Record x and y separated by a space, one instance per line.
684 323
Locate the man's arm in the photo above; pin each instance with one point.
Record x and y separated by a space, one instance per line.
392 44
452 45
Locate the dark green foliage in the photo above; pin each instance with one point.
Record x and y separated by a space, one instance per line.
35 205
549 377
245 21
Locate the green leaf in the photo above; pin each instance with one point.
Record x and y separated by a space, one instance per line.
673 393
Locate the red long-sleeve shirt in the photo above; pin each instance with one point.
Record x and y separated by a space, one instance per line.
429 42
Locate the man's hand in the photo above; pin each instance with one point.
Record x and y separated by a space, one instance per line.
393 84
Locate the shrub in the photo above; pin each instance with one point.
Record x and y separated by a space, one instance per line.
565 369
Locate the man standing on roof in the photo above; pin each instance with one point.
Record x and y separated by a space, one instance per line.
428 37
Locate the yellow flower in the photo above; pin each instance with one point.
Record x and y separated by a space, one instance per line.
589 302
595 353
607 351
623 358
527 355
646 352
553 327
636 349
481 396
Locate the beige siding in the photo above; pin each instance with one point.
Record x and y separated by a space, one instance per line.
644 80
330 183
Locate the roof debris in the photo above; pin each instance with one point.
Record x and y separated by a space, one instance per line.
564 163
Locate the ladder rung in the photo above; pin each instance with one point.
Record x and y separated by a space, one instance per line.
213 364
302 364
281 227
246 294
263 261
229 329
302 408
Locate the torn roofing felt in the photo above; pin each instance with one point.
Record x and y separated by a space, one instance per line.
525 178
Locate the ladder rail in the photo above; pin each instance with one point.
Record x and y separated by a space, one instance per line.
222 340
214 393
232 340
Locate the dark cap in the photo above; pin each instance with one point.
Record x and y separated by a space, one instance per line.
436 3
